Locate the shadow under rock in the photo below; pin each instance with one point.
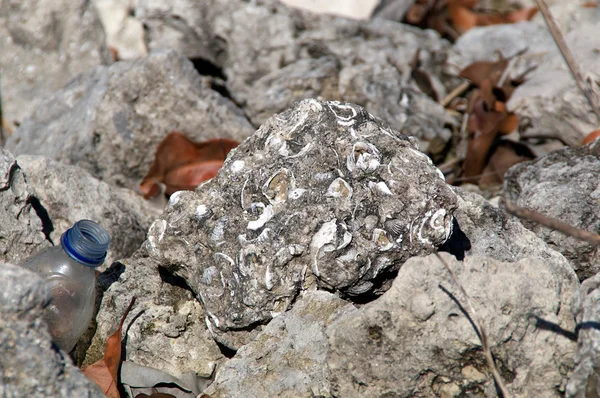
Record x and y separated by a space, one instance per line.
458 243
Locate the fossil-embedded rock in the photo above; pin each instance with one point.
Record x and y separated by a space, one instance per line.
585 379
323 195
30 364
564 184
288 358
21 229
69 194
45 43
416 339
109 120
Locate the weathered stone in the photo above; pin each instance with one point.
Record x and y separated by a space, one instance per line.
585 378
21 229
30 364
45 43
416 339
323 194
486 231
288 358
110 120
564 184
305 78
166 329
69 194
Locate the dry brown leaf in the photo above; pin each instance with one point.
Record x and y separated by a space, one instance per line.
590 137
105 372
505 155
182 164
480 71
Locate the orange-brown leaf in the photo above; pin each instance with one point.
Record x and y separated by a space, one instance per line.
480 71
188 177
176 151
509 124
591 137
105 372
462 18
505 155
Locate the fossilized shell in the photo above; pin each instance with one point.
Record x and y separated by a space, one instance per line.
380 238
339 188
265 216
364 157
277 187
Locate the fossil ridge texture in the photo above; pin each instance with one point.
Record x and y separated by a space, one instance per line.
571 177
417 341
322 195
30 364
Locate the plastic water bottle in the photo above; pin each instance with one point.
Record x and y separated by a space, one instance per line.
69 270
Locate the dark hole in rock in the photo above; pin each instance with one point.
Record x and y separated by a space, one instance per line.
458 243
207 68
42 213
174 280
226 351
381 284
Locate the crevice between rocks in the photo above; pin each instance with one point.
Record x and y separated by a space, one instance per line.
42 213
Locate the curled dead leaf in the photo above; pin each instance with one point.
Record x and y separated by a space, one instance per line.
105 372
591 137
182 164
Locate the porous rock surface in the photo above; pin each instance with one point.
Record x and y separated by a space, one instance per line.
416 339
45 43
289 357
585 378
487 231
30 364
109 121
21 229
166 329
323 195
564 184
69 194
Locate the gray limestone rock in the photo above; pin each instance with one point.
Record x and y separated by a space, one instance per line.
166 329
45 43
110 120
376 87
21 229
416 339
322 194
484 230
288 358
30 364
585 379
564 184
69 194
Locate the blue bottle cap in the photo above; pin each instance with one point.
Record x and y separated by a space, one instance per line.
86 242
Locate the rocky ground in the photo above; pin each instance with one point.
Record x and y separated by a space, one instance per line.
307 267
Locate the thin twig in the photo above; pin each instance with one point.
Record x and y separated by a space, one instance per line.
455 93
552 223
568 56
480 330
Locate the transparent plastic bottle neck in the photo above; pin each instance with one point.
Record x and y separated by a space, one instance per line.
86 242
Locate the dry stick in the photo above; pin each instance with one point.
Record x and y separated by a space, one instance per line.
551 223
480 330
566 53
455 93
